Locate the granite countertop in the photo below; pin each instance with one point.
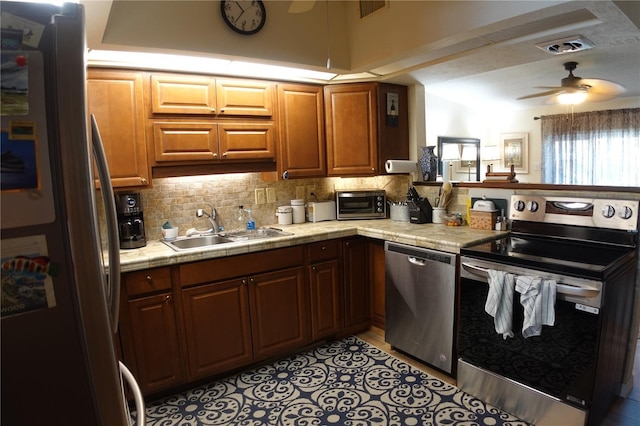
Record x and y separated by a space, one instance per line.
429 235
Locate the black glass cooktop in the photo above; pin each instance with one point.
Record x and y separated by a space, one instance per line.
590 260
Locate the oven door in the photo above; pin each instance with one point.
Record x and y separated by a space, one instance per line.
555 369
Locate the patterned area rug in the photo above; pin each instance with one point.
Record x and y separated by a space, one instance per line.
346 382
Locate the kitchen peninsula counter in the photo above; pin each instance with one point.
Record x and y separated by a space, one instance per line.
433 236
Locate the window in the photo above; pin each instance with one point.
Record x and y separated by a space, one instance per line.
592 148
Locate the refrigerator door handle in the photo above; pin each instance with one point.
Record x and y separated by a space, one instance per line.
137 395
113 281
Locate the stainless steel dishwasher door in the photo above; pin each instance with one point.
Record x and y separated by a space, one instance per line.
420 299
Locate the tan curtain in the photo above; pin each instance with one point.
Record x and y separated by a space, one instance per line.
592 148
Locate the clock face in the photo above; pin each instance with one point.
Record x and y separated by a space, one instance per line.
245 17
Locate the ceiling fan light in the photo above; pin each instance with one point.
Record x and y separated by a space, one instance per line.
573 98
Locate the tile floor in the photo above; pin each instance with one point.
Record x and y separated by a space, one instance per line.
625 411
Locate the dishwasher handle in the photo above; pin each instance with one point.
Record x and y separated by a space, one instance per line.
416 261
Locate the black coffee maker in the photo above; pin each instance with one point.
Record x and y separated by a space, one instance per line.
130 221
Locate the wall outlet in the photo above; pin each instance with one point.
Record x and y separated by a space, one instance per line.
300 193
310 189
271 195
261 196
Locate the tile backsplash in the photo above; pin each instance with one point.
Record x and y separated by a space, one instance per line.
177 199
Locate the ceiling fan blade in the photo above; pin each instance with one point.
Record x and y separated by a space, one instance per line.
547 93
301 6
602 89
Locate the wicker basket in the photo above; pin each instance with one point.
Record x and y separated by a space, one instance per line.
483 219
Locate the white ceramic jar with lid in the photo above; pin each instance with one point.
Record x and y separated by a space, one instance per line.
285 215
298 209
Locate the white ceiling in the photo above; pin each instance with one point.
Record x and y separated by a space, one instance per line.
498 64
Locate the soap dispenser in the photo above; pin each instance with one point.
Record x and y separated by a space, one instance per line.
251 224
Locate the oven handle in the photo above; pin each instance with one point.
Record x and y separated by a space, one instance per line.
570 290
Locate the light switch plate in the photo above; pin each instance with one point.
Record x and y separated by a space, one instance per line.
261 196
271 195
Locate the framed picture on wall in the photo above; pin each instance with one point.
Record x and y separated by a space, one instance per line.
515 150
393 109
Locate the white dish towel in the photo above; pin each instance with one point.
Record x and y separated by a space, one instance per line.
538 298
500 301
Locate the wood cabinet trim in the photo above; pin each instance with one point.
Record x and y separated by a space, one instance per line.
240 265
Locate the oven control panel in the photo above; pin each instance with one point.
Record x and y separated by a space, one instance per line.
593 212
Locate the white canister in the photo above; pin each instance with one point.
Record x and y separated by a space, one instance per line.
438 214
285 215
298 209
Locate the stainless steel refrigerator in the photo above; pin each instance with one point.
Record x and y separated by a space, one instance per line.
59 308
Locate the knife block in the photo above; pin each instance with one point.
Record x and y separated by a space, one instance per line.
420 211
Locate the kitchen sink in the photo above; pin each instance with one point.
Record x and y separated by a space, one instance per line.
205 241
257 234
201 241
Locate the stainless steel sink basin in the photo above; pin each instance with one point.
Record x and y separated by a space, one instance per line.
258 234
204 241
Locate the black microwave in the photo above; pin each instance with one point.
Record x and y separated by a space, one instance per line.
363 204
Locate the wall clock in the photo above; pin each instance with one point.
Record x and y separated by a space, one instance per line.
244 17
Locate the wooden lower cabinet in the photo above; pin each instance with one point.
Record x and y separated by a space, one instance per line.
150 342
326 299
191 321
355 276
279 317
217 327
148 330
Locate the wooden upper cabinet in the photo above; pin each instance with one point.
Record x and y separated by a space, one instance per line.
116 99
174 94
186 141
245 97
302 149
363 131
351 123
182 94
247 141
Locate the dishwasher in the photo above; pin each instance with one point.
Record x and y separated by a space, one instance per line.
420 301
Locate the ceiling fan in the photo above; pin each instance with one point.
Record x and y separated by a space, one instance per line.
594 89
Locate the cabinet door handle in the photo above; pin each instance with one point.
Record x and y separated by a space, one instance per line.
149 279
373 169
323 248
213 110
143 180
313 268
167 297
252 281
224 155
222 111
244 281
215 155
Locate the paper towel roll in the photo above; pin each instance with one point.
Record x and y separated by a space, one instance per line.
401 166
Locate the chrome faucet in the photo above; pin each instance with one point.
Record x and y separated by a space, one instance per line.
212 218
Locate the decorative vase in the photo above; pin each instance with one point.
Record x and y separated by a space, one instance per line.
429 164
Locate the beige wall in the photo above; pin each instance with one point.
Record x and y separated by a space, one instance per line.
177 199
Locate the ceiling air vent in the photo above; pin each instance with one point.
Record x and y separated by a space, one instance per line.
567 45
367 7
